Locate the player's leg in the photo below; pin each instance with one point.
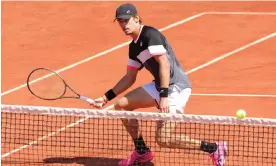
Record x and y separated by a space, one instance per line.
138 98
164 134
166 138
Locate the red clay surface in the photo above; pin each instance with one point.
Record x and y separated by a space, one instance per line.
57 34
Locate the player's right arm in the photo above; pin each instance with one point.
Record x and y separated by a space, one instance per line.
123 84
126 81
133 66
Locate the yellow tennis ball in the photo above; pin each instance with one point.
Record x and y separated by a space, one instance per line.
240 114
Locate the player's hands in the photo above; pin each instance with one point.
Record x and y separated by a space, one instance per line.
164 105
100 102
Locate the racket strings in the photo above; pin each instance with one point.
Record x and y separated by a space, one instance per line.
49 88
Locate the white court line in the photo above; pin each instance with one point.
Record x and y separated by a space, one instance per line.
232 52
100 54
73 65
243 13
233 95
49 135
188 72
126 43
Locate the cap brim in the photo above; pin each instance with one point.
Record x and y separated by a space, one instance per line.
123 17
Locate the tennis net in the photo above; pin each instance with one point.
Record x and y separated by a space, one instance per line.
35 135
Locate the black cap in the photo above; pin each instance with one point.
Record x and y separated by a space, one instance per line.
125 11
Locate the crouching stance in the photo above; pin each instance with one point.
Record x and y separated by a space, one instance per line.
169 91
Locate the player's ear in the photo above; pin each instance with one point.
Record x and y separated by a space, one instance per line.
136 18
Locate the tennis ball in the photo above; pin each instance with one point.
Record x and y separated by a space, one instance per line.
240 114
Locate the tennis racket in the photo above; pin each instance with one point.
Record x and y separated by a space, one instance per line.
46 84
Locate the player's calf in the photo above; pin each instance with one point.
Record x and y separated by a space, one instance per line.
170 140
164 136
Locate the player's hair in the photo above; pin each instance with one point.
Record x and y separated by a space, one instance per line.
140 19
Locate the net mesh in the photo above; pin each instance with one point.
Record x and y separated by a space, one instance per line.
66 136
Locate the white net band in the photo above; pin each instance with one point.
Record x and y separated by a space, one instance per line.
92 113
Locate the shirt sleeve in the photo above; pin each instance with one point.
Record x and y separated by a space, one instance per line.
133 62
156 42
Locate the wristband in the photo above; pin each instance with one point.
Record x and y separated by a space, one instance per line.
110 95
164 92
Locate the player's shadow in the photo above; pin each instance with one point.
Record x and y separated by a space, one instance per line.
88 161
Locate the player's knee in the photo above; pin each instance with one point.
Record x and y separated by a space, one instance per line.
165 140
121 104
160 141
125 122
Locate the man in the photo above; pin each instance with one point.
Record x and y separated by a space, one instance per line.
169 91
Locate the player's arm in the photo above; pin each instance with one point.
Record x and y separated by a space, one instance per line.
125 82
156 47
164 70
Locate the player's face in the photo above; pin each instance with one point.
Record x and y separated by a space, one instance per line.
128 25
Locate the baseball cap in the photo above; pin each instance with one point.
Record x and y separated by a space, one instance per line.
125 11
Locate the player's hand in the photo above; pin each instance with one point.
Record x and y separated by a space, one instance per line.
164 105
100 102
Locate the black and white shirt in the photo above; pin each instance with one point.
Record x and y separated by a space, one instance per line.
149 43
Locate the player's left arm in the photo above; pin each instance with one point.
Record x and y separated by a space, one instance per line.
164 70
159 53
164 74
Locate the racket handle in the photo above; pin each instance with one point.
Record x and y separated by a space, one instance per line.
90 101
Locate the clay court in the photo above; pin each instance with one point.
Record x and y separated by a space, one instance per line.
227 49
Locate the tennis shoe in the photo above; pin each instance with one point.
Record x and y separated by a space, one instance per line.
136 158
219 156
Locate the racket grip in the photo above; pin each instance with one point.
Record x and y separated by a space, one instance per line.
90 101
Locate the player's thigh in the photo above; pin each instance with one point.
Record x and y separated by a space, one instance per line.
137 98
164 130
178 100
165 126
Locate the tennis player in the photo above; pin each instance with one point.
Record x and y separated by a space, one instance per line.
169 91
